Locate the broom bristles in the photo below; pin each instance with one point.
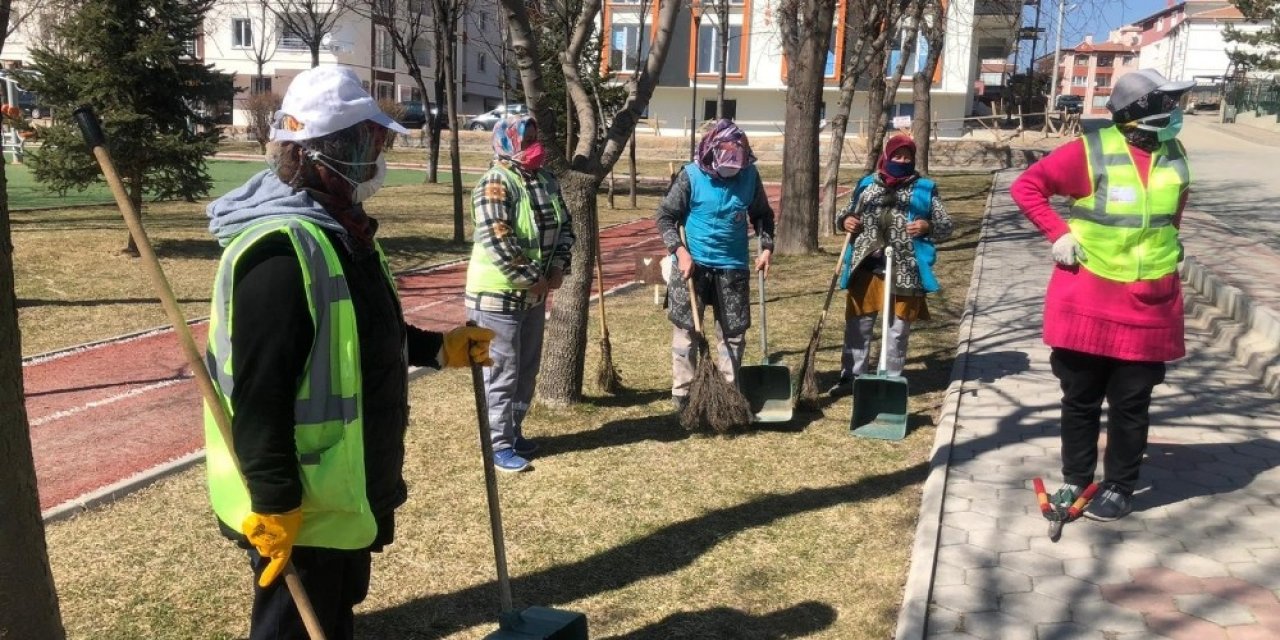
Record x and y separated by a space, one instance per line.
607 377
807 397
713 401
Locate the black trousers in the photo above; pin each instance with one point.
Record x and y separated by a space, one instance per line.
1126 386
335 580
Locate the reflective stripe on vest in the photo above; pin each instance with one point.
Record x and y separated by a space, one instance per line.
482 273
328 429
1125 227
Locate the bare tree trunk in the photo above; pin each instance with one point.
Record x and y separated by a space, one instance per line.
888 88
562 358
722 31
28 601
315 53
433 153
631 157
922 86
839 124
455 155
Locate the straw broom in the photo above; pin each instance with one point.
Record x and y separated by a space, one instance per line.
807 398
713 401
607 377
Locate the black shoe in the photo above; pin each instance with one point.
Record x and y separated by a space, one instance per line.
842 387
1111 504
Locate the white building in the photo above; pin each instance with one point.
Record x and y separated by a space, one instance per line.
240 33
756 66
1186 41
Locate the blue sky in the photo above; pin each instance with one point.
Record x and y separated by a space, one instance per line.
1082 17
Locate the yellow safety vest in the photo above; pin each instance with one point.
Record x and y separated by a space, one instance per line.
329 427
1125 228
485 276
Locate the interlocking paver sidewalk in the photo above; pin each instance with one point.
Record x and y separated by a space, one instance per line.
1199 557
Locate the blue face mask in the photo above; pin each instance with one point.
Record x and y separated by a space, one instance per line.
899 169
1171 128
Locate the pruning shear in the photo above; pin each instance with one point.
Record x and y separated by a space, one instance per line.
1057 515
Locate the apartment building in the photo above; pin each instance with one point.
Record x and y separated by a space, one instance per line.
244 38
1185 41
1090 69
755 64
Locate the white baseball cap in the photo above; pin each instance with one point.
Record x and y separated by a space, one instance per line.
325 100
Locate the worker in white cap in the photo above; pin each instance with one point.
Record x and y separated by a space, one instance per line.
1113 310
309 352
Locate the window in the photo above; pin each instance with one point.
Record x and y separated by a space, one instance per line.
622 47
830 70
1082 60
1106 60
1079 81
384 90
1102 82
895 55
423 54
709 49
384 53
482 62
993 79
260 85
1127 60
291 40
730 109
1100 102
482 21
241 33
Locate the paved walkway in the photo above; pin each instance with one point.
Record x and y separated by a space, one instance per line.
1200 556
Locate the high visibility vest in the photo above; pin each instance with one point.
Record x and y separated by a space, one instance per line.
485 276
1126 228
328 414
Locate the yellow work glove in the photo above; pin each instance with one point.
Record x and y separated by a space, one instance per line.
272 534
464 344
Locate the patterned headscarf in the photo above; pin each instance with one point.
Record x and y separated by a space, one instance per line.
892 146
724 143
509 137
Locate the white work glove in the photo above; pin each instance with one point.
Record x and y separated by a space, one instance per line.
1067 251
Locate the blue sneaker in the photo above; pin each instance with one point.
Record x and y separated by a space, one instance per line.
524 446
509 460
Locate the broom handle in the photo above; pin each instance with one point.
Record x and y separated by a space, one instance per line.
887 311
693 295
764 322
835 277
491 484
92 131
604 326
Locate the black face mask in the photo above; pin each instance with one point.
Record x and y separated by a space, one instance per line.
1141 138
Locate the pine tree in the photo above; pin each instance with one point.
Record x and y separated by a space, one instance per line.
1262 48
132 61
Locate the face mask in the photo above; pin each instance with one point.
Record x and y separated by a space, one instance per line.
1172 124
727 172
899 169
361 191
533 156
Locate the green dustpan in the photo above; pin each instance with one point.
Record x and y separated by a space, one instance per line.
880 401
766 386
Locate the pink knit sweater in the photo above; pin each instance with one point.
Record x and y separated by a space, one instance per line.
1136 321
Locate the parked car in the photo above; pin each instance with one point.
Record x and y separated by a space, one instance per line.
415 116
486 120
1070 104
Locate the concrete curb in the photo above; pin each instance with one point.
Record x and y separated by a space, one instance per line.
113 492
1256 344
913 616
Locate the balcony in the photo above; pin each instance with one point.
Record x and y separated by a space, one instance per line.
997 8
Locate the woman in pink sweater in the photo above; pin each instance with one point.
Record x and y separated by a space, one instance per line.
1113 310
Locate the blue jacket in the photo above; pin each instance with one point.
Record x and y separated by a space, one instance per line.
921 208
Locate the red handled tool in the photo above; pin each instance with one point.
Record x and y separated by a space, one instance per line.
1059 515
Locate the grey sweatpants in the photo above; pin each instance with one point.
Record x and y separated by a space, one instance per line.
516 351
857 343
684 359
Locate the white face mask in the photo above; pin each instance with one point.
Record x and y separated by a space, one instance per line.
361 191
727 172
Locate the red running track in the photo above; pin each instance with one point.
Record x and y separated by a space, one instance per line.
104 413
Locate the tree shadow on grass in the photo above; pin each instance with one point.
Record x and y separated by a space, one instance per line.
191 249
722 622
657 428
662 552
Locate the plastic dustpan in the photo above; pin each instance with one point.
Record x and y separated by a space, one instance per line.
766 386
880 401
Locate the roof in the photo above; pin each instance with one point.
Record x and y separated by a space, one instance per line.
1221 13
1102 47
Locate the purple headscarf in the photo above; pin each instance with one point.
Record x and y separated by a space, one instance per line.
725 143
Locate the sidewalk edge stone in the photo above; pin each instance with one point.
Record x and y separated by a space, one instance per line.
1257 344
913 616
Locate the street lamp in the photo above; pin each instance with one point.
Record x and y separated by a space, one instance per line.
693 110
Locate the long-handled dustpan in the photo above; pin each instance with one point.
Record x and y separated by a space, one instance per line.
532 623
767 386
880 401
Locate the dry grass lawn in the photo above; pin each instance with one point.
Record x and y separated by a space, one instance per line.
783 532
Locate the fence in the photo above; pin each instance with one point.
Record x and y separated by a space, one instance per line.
1260 96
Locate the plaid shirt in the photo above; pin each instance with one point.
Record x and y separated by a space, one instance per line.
494 206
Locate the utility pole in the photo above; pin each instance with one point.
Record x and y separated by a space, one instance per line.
1057 51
